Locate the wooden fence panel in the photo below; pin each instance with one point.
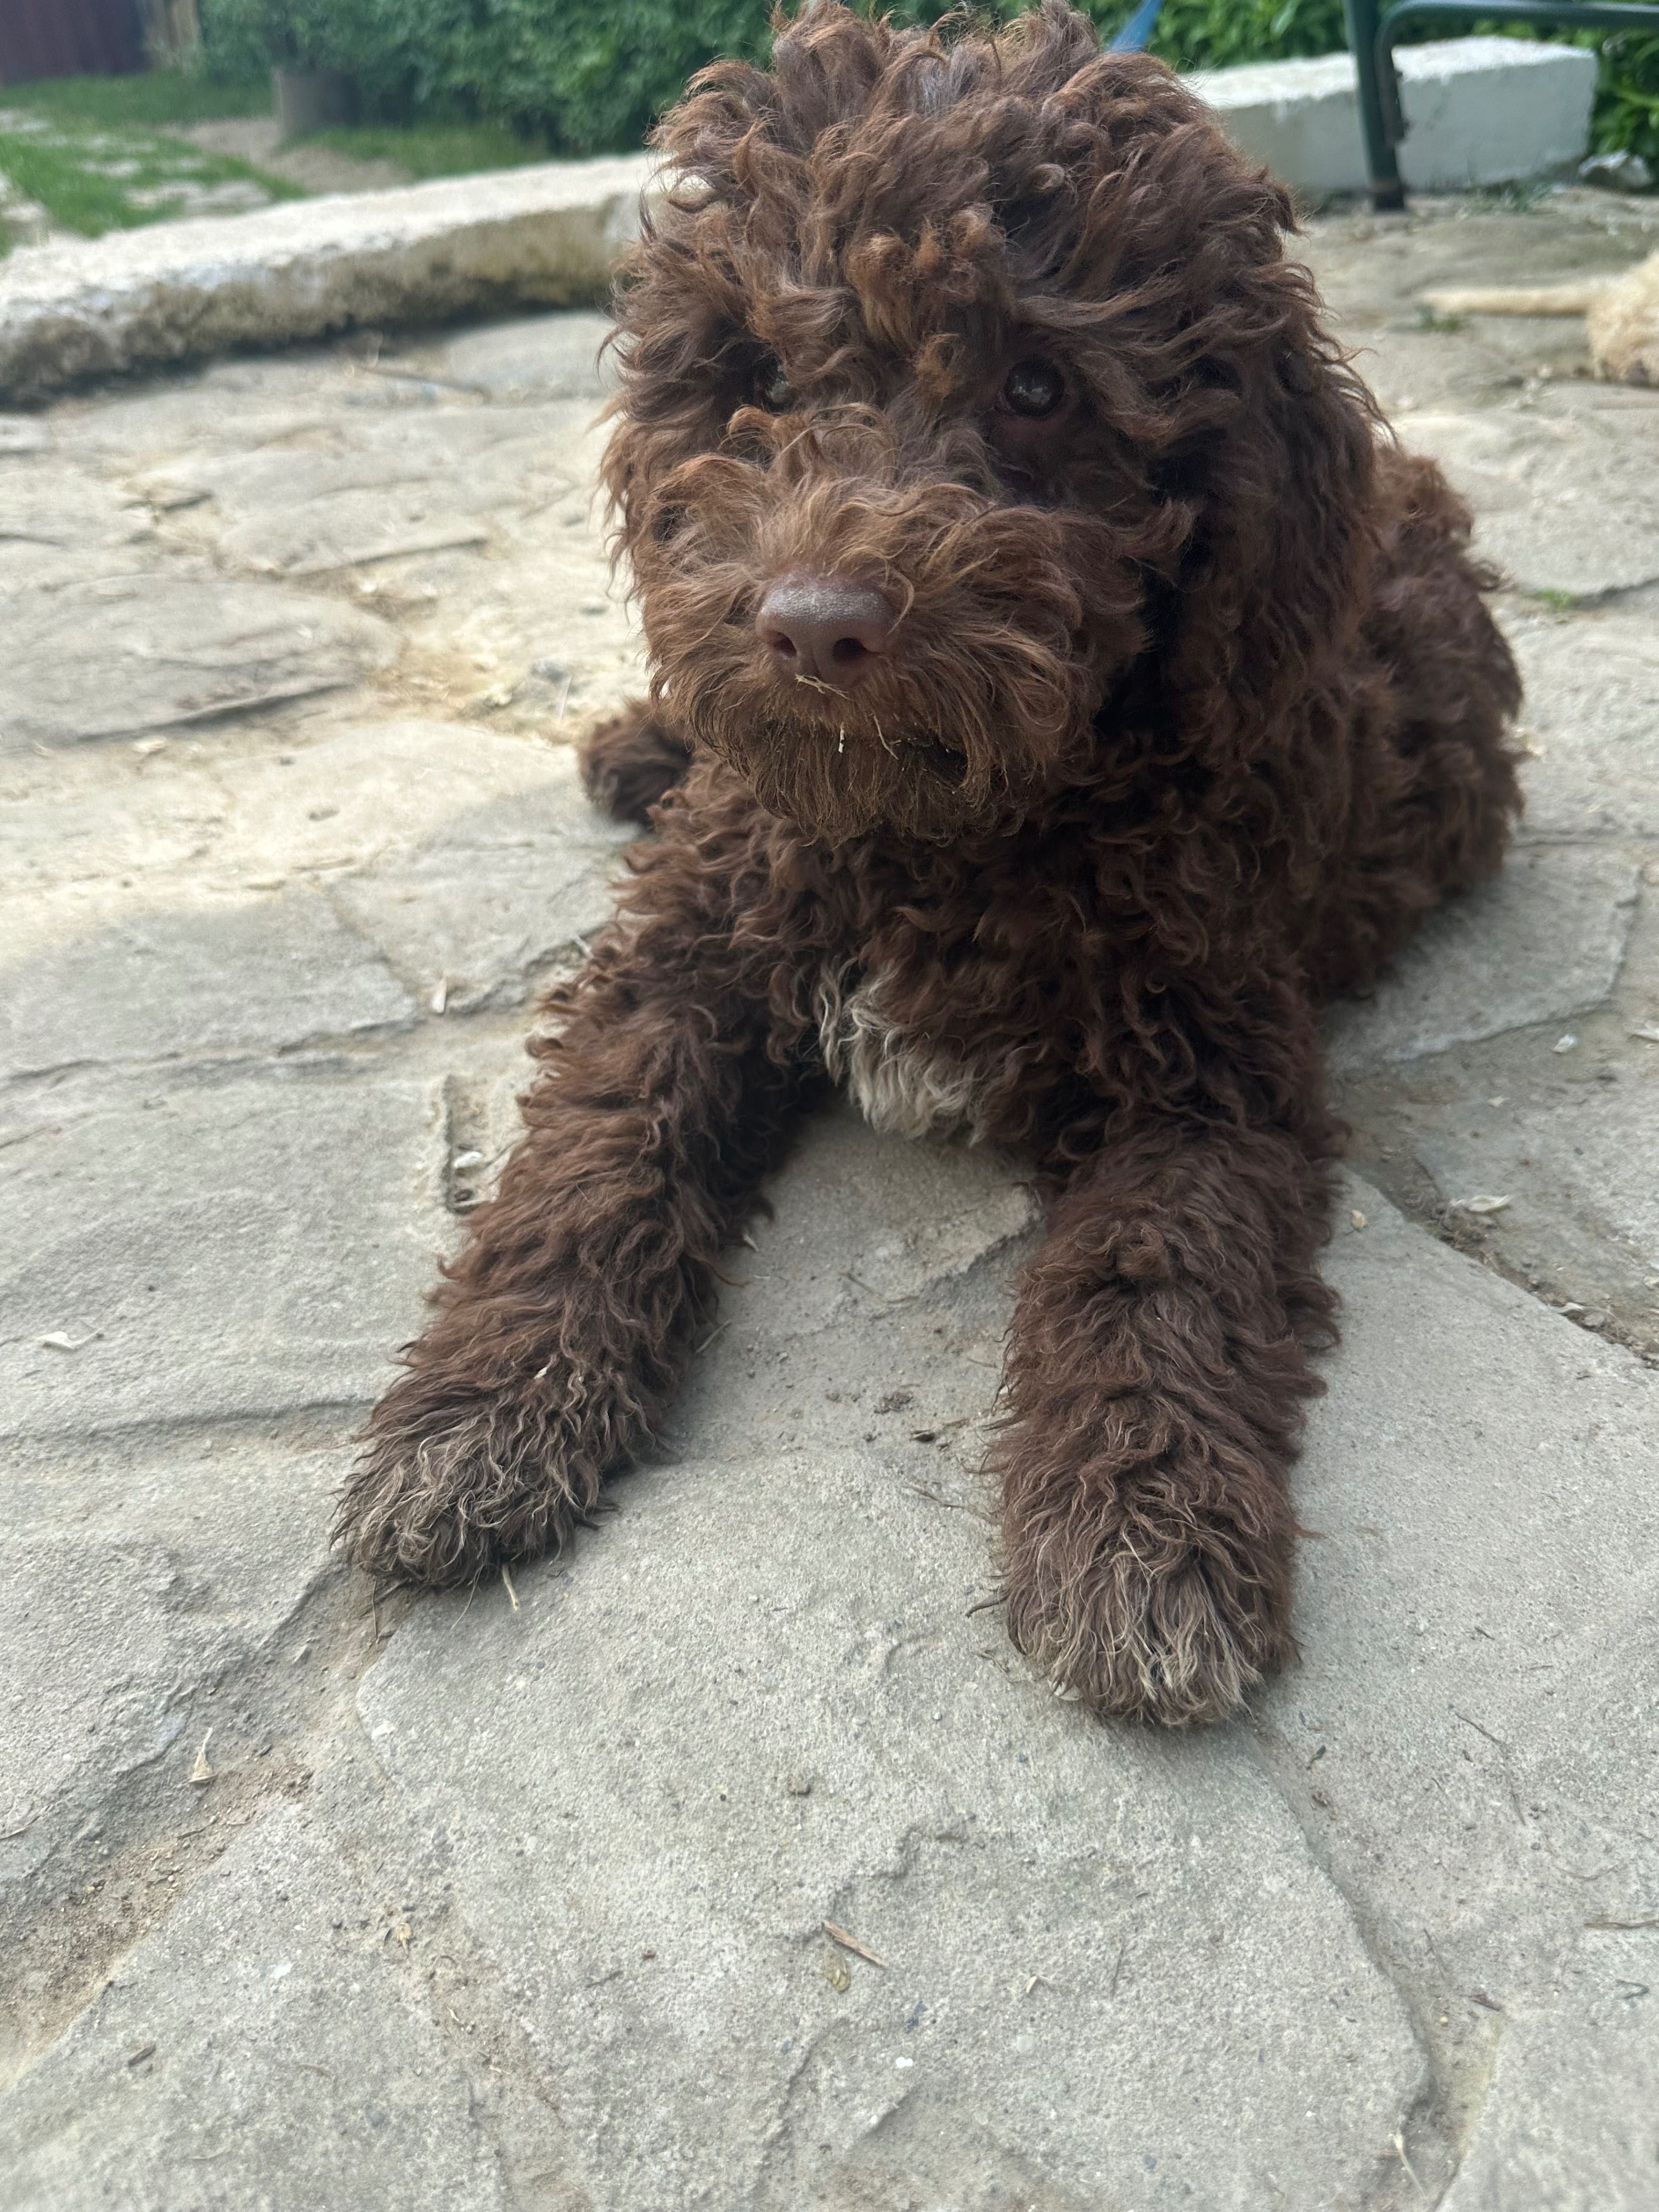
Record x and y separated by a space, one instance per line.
68 37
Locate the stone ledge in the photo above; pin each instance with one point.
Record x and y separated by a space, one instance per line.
1479 110
546 236
1482 111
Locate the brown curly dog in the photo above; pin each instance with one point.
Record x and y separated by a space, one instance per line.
1062 685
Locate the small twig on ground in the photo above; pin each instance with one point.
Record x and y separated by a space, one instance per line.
511 1594
852 1943
888 1298
1478 1730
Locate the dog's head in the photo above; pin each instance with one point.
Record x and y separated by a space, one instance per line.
960 379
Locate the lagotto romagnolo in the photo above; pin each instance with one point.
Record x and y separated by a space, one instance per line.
1062 684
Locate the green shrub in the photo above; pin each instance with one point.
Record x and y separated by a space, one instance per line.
592 75
372 40
1216 33
1627 97
610 67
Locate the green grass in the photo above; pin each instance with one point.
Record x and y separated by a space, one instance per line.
94 180
435 150
149 101
92 150
95 152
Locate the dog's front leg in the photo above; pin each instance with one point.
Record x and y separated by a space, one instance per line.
1156 1371
563 1326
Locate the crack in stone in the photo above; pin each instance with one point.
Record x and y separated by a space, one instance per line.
1438 2126
513 2089
1469 1237
61 1943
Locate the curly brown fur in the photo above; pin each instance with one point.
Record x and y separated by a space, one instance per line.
1184 707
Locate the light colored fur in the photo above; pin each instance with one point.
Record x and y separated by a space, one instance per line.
898 1085
1622 326
1132 1637
1519 299
1621 316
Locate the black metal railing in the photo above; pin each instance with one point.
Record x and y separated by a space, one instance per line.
1382 119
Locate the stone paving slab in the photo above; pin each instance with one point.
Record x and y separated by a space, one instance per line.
256 2094
142 1577
1416 1852
109 829
1082 1943
235 1247
374 488
319 907
1564 498
374 788
1480 1477
526 361
461 509
211 981
133 654
49 531
1586 1157
1593 773
1540 943
474 915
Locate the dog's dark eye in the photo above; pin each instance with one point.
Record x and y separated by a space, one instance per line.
1034 388
773 389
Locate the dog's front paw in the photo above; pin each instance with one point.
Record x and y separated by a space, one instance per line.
1149 1614
631 760
449 1487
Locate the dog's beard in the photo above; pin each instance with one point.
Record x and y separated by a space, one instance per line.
1009 621
843 777
945 742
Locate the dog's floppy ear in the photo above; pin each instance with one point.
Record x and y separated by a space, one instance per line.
1261 439
1274 577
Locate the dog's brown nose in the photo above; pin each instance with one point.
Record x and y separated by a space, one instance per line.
825 629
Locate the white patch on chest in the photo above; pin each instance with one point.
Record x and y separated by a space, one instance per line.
901 1086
